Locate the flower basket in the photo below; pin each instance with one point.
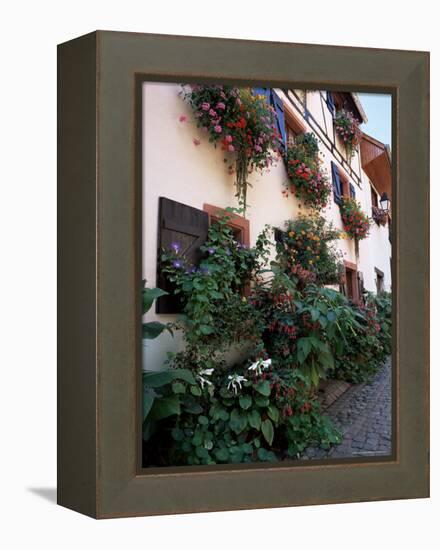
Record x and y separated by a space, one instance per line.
307 181
356 223
347 126
379 215
244 125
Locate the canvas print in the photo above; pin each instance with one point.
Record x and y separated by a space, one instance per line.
266 259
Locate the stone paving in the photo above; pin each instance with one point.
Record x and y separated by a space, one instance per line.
363 416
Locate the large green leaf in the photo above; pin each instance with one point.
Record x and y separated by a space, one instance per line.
147 402
149 295
304 347
254 419
165 406
325 358
245 401
238 421
157 379
263 387
273 413
206 329
184 374
268 431
152 330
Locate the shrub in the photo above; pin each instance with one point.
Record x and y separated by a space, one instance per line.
249 413
264 408
216 314
308 242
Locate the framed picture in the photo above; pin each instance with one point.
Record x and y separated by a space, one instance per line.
243 274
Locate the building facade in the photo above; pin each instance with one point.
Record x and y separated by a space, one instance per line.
184 175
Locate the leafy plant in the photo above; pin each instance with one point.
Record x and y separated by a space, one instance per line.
216 311
152 329
242 414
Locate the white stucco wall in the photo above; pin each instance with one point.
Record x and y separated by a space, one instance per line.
175 168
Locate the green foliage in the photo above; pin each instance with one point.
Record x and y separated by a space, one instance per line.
266 417
153 329
366 348
202 410
306 250
216 314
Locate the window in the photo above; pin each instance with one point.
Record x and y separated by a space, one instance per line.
239 227
294 127
350 282
189 227
374 200
238 224
273 99
330 102
380 281
341 185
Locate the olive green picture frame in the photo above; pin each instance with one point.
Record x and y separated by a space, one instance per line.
99 277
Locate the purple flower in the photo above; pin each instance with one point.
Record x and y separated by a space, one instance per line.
228 252
205 106
218 129
211 249
175 247
177 264
204 270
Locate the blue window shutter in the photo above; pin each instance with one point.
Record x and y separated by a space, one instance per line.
352 191
279 109
337 187
330 103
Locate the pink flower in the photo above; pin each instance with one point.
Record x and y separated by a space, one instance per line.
205 106
183 118
221 105
212 112
218 129
228 139
196 141
231 148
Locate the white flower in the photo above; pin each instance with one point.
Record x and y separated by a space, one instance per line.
202 380
260 365
235 381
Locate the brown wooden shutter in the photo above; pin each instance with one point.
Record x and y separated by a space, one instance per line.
189 227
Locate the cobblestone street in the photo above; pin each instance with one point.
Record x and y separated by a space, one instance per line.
363 416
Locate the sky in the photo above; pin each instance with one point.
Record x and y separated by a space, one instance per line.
377 107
